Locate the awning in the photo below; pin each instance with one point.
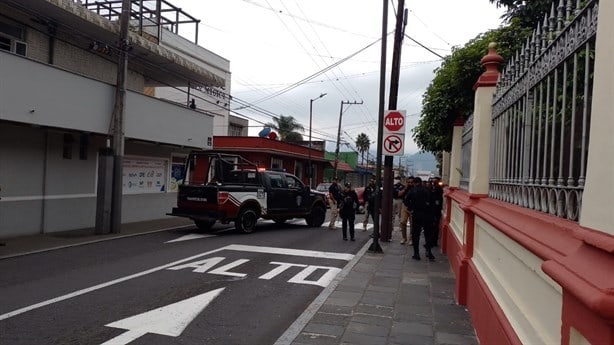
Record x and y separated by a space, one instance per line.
342 166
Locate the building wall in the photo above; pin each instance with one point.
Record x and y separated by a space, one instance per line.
43 192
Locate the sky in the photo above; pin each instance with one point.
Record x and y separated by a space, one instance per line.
273 45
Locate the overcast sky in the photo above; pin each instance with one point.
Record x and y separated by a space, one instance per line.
273 44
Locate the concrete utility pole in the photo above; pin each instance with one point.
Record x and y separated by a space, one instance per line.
310 168
339 133
387 225
118 119
375 246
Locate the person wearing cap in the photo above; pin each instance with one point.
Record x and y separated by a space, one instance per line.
334 196
347 210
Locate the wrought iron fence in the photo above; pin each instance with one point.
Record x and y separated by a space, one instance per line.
541 114
467 138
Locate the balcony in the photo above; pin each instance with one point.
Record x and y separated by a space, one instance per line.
42 95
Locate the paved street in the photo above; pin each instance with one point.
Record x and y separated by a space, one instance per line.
251 287
283 284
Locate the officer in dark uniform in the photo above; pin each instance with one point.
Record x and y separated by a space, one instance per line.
418 201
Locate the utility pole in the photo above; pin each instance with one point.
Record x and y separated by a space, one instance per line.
339 133
392 105
118 119
375 246
310 169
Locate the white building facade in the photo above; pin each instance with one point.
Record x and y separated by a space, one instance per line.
57 91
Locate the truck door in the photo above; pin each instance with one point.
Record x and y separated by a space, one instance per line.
277 198
297 199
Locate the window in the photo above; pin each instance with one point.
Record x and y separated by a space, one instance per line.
293 182
277 164
83 146
11 39
276 181
235 131
67 147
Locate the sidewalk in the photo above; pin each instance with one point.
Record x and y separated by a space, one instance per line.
39 243
384 298
390 298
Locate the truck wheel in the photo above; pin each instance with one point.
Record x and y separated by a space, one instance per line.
246 221
316 217
203 225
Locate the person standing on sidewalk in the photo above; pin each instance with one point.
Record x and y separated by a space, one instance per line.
334 196
437 205
397 201
347 211
405 212
418 200
367 196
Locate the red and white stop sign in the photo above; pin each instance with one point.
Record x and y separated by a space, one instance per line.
394 121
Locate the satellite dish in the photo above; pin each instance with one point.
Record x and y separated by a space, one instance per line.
272 135
264 132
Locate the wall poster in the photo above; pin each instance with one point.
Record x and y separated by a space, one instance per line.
144 175
177 172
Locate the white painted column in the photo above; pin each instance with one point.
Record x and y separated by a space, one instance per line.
598 195
456 154
480 143
482 118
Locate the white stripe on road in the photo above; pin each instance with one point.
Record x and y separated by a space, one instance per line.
237 247
291 252
100 286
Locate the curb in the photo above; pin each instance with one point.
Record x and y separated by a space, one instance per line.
93 241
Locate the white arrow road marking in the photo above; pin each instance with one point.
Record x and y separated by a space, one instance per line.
189 237
170 320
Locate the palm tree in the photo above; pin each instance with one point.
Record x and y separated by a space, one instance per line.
287 127
362 144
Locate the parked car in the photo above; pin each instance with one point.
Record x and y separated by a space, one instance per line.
323 187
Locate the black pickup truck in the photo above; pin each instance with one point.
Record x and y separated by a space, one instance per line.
225 188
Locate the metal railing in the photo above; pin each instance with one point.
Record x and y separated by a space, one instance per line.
467 139
541 114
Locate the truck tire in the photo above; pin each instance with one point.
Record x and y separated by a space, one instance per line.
246 221
316 217
204 225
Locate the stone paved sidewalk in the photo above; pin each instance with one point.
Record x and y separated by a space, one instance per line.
392 299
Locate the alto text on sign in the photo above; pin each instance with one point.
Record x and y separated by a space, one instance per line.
394 122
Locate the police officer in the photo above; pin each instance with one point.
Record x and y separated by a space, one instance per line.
418 200
347 210
369 203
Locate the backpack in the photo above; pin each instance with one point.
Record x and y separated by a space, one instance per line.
348 202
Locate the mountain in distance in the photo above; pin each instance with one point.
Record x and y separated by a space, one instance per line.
421 161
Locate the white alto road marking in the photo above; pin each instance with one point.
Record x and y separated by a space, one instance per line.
170 320
189 237
236 247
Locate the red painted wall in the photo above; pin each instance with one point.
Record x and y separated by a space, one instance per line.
580 260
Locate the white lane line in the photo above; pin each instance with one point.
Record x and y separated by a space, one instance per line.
100 286
291 252
189 237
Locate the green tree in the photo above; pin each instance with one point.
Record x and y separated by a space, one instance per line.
450 95
362 145
287 127
526 13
